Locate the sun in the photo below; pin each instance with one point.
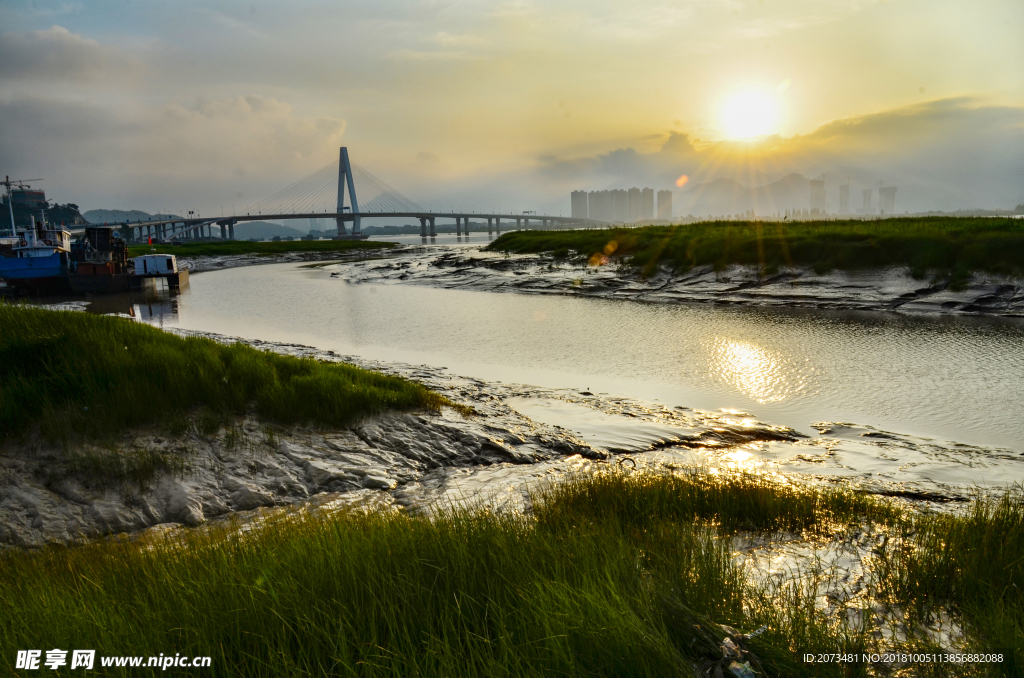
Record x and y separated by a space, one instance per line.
750 113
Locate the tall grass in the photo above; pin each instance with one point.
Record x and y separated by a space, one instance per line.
612 575
228 247
734 503
462 593
973 561
946 245
77 375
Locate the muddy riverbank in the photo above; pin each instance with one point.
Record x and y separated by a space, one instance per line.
522 436
892 289
202 264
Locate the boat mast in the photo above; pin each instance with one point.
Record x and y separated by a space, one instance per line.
10 204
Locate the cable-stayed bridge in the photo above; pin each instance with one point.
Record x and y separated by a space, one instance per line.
322 195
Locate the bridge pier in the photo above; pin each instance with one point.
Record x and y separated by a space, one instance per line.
231 231
519 223
433 231
458 227
490 225
497 225
423 227
465 227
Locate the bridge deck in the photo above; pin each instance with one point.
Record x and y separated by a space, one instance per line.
348 216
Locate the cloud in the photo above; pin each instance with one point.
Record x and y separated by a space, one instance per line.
58 54
118 155
238 25
434 55
956 153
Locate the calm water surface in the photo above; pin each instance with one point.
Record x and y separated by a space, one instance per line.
959 379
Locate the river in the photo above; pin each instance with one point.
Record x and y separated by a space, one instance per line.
958 379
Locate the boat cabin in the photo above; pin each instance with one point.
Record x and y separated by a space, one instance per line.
155 264
41 240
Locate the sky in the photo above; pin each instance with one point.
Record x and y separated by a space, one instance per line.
494 105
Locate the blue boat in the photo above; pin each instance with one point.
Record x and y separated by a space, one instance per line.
36 258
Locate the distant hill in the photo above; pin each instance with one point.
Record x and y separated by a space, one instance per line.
727 196
118 216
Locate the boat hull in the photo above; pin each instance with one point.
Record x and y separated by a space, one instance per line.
100 283
36 275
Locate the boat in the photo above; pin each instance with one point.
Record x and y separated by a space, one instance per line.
36 258
99 262
100 265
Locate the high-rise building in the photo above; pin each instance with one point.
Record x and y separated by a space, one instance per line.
887 199
647 204
664 204
844 199
594 206
866 209
579 205
818 196
620 205
600 205
635 196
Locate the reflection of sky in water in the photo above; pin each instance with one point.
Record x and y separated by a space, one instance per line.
955 378
763 375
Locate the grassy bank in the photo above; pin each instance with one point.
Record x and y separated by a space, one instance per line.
79 375
611 576
935 245
198 249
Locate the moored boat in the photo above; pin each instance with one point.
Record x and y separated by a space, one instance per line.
99 262
36 259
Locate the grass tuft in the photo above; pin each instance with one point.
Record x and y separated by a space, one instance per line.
732 502
83 376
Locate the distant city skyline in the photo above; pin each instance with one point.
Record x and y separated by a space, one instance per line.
620 205
487 105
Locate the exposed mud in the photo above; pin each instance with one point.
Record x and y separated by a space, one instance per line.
522 438
892 289
218 262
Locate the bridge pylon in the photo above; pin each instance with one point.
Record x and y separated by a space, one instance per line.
345 179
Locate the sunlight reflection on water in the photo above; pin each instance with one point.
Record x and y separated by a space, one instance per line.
756 371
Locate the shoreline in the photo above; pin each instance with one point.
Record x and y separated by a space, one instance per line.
892 289
419 460
459 267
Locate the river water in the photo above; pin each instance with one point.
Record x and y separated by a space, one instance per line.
956 379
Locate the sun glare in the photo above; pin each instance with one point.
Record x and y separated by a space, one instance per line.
750 113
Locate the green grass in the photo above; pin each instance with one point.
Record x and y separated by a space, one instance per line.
734 502
199 249
613 575
82 376
950 246
972 561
